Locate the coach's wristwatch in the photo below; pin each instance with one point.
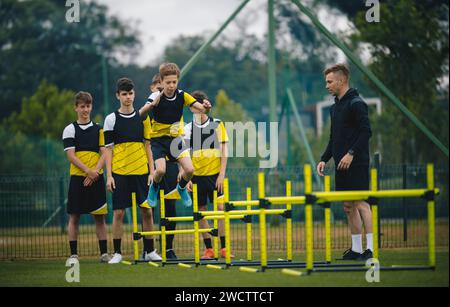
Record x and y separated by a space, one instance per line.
351 152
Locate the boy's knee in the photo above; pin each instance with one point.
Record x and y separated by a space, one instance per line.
99 219
147 213
348 207
119 214
74 219
363 206
160 172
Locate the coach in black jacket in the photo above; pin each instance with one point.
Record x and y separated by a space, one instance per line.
349 147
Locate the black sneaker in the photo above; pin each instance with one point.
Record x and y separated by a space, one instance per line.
170 254
367 254
351 255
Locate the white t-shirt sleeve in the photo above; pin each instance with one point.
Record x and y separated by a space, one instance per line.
68 137
108 129
153 96
187 131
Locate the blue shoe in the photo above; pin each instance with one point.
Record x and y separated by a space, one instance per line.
152 197
185 197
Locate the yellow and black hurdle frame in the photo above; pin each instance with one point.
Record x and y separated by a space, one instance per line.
309 199
372 197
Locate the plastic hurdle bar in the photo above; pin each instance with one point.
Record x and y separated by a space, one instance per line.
138 235
373 197
195 218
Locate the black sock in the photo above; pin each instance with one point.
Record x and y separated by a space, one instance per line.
169 241
148 245
103 246
73 247
182 183
117 245
207 243
222 242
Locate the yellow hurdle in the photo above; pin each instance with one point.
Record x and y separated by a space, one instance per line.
248 270
431 218
135 227
242 203
308 218
249 228
175 232
289 223
214 267
291 272
163 228
227 226
216 225
183 265
374 187
196 227
262 223
363 195
327 188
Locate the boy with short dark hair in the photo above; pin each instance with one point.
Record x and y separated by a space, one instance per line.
167 129
128 160
84 145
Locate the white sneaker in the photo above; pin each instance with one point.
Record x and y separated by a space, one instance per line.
153 256
105 258
73 259
117 258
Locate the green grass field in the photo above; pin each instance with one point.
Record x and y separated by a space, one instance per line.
52 273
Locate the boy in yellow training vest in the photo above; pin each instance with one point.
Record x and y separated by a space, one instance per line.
167 129
84 145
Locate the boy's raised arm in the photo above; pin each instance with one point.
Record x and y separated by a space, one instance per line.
152 102
204 107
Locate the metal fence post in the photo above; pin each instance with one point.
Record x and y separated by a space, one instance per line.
62 212
377 162
405 212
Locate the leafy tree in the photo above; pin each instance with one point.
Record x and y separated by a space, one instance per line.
409 49
32 138
37 43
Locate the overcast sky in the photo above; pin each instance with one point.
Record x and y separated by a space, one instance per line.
160 21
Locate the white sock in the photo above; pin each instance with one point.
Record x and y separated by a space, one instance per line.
369 238
357 243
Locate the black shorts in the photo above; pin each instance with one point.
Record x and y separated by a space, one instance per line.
85 200
166 146
170 180
205 189
127 184
356 178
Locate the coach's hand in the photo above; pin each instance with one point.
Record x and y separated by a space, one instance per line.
345 163
320 168
110 184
